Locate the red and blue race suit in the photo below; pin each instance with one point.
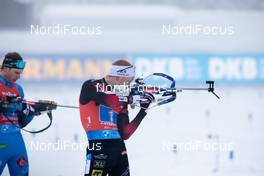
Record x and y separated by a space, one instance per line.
12 147
106 123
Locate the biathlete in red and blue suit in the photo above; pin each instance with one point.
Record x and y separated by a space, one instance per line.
106 122
13 116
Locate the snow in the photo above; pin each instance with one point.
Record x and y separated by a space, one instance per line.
193 122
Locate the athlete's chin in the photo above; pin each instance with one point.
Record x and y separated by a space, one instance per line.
14 80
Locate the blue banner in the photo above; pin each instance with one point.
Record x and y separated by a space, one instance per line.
225 69
236 69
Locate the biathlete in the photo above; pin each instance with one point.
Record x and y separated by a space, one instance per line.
106 122
14 115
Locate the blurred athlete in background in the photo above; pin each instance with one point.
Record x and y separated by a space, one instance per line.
13 116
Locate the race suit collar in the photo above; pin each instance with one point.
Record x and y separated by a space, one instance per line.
5 82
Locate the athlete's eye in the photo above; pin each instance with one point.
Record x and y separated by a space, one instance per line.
17 73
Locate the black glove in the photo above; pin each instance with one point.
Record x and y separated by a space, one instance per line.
27 109
149 99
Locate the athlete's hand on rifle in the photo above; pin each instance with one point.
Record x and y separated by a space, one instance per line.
10 104
133 99
27 109
147 99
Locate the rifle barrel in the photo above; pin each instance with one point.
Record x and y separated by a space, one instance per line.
67 106
192 88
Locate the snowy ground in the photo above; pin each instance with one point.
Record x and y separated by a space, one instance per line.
172 140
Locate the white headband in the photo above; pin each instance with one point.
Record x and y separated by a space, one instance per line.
122 71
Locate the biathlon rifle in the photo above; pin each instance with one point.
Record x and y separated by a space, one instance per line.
39 107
